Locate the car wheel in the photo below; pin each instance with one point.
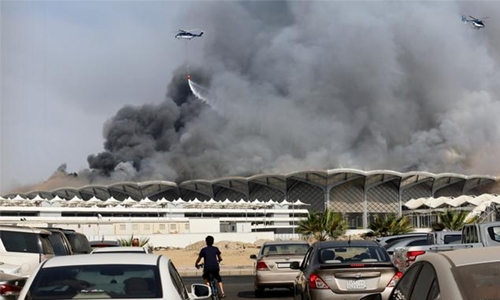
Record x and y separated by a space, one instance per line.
259 292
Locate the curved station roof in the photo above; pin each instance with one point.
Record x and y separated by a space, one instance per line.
347 190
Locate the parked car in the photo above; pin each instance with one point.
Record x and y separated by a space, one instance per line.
120 250
406 242
104 276
10 286
459 275
383 240
79 242
59 241
272 264
9 268
24 246
487 234
104 243
472 236
344 270
444 237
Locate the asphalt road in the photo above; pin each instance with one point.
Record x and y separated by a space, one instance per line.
241 287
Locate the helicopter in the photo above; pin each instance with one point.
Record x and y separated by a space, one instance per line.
187 34
474 22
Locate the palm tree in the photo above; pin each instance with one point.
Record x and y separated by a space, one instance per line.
452 220
334 224
322 226
391 225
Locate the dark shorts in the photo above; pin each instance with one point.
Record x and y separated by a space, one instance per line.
214 273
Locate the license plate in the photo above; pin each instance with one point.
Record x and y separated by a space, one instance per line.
283 265
356 284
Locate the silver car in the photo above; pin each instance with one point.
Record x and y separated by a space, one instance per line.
459 275
272 264
406 242
344 270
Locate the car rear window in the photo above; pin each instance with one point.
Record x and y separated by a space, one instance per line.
353 254
285 249
58 243
15 241
478 281
79 243
97 281
450 238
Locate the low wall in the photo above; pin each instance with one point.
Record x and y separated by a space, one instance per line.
185 239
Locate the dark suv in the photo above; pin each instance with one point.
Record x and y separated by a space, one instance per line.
59 241
79 242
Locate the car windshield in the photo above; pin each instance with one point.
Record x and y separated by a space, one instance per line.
97 281
354 254
478 281
285 249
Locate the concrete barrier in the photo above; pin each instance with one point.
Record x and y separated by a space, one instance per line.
225 271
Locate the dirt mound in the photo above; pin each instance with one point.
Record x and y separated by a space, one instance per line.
222 245
259 243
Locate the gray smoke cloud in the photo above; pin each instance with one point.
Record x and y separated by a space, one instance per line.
316 85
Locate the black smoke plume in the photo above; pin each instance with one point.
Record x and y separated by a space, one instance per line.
307 85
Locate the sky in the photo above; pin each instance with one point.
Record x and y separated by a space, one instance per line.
96 91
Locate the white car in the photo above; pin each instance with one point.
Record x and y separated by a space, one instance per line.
113 275
121 250
24 246
10 286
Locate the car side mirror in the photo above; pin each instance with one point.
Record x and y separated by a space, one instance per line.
372 297
253 256
201 291
295 265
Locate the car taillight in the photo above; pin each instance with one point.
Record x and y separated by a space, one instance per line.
9 290
315 282
395 279
412 255
261 266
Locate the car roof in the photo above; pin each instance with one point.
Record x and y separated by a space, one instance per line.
104 258
51 229
118 249
284 242
400 236
363 243
462 257
409 234
105 242
406 240
24 229
59 228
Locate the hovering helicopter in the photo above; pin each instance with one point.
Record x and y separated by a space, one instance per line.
474 22
187 34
